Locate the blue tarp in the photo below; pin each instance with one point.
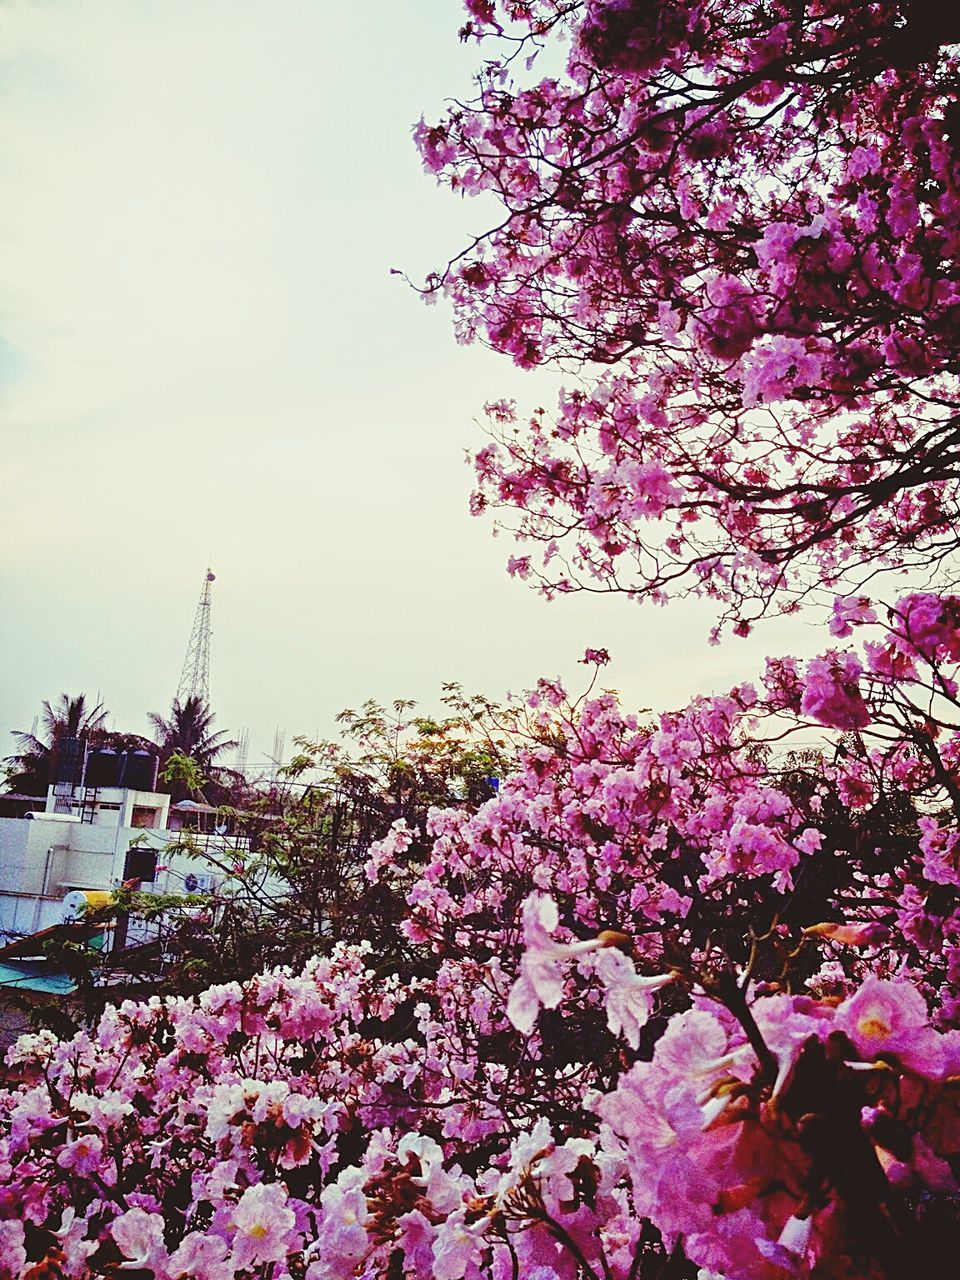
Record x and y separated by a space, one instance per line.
26 975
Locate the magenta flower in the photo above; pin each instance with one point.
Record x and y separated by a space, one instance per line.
850 612
832 692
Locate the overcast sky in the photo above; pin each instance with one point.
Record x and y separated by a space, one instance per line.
203 356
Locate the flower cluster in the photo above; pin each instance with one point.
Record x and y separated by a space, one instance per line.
680 999
749 218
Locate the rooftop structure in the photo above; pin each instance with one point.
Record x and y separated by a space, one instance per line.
195 676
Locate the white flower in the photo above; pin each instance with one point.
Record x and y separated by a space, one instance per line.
629 995
542 966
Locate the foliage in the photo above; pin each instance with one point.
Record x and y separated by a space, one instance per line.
182 771
188 734
31 769
291 877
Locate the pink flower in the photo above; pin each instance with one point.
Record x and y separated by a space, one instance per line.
456 1247
629 996
264 1224
849 612
832 692
416 1239
13 1256
139 1237
890 1018
342 1239
928 625
83 1156
727 325
941 852
519 566
201 1257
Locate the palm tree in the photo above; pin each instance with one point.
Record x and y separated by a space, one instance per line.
30 770
189 732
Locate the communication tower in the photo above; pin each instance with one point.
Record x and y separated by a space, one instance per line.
195 676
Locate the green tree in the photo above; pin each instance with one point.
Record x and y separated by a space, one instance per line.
30 769
189 733
301 885
183 771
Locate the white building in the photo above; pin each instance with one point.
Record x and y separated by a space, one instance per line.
94 840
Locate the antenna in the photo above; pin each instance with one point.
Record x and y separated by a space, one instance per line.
195 676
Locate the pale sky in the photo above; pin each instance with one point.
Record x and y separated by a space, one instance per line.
203 356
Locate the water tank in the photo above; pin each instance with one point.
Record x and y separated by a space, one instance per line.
140 770
80 901
103 768
69 763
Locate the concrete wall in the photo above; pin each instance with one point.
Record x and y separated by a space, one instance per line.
114 806
24 850
42 861
20 914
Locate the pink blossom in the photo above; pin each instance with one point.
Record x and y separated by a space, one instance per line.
343 1240
629 996
139 1237
13 1256
831 692
456 1247
848 612
890 1018
264 1225
941 852
201 1257
83 1156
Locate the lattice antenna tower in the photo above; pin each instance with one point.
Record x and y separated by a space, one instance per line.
195 676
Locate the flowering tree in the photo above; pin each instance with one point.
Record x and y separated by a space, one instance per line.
748 216
690 1011
687 999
